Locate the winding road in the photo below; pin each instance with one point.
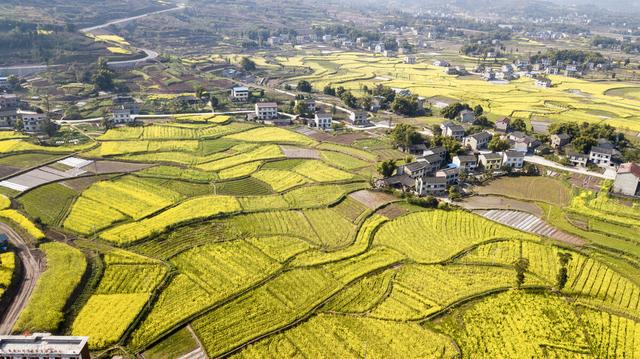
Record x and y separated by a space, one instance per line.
31 272
25 70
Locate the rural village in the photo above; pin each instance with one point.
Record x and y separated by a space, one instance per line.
248 180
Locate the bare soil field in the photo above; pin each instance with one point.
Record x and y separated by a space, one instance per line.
372 199
102 167
392 211
297 152
495 202
544 189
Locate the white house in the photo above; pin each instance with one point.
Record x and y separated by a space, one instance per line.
627 180
490 161
466 163
450 174
578 159
410 59
513 159
358 118
32 121
322 120
266 111
450 129
240 94
543 82
121 114
478 141
601 156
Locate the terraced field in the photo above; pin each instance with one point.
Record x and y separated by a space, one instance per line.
234 241
573 99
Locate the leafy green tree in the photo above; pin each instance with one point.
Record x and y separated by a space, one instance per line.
247 64
404 135
449 143
103 76
304 86
300 108
521 265
498 145
562 276
50 128
405 105
386 168
518 125
583 143
348 99
478 110
451 111
328 90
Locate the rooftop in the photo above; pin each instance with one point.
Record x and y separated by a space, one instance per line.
466 158
605 150
13 345
491 156
630 167
514 154
266 104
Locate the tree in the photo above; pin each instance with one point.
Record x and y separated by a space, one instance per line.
348 99
498 145
366 102
103 77
449 143
583 143
521 265
106 123
478 110
387 168
199 91
451 111
304 86
214 101
518 125
404 135
328 90
405 105
563 276
300 108
247 64
50 127
482 121
339 91
14 81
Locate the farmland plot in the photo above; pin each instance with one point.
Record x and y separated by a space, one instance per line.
433 236
193 209
45 311
353 337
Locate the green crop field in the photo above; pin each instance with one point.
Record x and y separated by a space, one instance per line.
45 312
7 268
226 246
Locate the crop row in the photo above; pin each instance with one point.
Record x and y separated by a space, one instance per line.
45 311
433 236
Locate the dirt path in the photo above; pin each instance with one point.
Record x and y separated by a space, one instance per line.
32 271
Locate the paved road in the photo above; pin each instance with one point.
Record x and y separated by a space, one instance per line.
609 174
25 70
120 21
31 274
